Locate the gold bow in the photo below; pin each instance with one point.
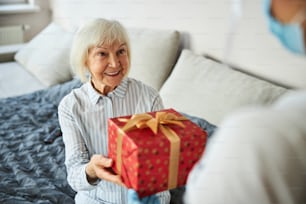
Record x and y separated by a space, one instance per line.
145 120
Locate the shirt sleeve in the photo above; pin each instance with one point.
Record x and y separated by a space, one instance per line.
76 153
256 156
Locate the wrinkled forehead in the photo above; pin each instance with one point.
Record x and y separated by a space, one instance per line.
108 44
111 44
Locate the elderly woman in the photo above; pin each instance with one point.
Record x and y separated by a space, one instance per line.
100 56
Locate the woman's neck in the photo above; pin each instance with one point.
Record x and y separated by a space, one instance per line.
101 88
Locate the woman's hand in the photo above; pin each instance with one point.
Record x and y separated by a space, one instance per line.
99 167
134 199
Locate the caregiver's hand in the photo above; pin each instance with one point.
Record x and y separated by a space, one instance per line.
134 199
99 167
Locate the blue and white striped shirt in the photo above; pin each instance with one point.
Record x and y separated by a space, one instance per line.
83 116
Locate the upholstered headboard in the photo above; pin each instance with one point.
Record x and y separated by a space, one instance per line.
204 25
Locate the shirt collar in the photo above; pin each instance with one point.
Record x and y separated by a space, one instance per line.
120 91
93 95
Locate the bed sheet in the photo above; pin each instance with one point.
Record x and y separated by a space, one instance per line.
15 80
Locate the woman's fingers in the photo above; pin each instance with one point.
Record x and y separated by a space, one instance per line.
100 167
109 176
103 161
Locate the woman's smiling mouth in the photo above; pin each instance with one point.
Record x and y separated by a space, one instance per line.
113 73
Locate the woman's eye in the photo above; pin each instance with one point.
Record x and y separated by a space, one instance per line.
121 51
102 54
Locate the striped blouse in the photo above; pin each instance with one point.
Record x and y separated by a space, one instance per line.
83 116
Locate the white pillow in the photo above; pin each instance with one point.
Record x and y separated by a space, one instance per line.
153 54
46 56
207 89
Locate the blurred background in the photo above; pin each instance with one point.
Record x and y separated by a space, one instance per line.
230 30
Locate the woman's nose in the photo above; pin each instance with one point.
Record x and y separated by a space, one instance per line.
113 61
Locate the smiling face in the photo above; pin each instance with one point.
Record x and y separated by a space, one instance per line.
108 65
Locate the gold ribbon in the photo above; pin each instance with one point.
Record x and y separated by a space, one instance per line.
161 120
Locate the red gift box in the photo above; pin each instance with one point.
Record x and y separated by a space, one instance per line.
155 151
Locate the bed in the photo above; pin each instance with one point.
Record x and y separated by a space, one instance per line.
32 150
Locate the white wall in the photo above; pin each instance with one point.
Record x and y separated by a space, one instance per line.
35 21
205 27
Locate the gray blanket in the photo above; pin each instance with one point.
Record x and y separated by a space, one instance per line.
32 152
32 164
